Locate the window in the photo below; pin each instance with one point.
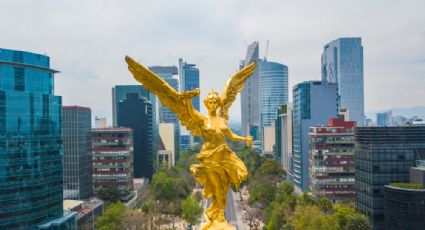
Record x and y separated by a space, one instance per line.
19 79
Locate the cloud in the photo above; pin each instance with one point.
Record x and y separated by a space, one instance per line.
87 41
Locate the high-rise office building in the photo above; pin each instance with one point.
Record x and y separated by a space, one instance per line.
189 79
31 176
165 114
404 203
250 95
273 92
135 112
77 158
383 155
113 159
263 93
331 165
119 93
283 146
384 118
314 103
342 63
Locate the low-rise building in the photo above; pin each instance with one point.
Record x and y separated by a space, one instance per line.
331 164
113 160
87 211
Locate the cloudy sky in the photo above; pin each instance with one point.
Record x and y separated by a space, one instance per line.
88 39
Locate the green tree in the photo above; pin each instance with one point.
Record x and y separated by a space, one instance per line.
306 199
262 191
343 213
191 210
311 218
110 194
162 187
112 218
325 205
358 222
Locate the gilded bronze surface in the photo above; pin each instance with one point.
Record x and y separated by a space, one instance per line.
219 167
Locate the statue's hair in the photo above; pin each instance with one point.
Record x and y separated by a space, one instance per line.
213 96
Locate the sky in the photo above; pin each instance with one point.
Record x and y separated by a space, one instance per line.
87 42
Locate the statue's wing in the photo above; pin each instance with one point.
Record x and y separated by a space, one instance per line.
179 103
233 86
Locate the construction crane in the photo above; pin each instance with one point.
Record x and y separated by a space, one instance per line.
267 50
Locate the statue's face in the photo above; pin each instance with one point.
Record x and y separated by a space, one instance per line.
211 104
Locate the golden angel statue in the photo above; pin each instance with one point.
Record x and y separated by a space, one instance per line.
219 167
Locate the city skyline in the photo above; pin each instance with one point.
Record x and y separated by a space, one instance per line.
89 50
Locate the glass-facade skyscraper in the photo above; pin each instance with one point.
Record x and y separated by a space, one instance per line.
273 92
77 157
250 95
384 155
342 63
31 179
314 103
135 112
189 79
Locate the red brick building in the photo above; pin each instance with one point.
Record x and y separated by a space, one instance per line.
331 164
113 159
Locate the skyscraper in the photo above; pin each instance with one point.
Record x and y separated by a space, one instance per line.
342 63
263 93
77 157
384 118
119 92
273 92
283 148
135 112
384 155
314 103
189 79
250 95
31 177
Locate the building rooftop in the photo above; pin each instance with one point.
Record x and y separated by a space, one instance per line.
413 186
75 107
113 129
82 207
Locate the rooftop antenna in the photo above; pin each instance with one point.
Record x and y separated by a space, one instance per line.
267 50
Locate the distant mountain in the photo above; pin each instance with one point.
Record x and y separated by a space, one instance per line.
405 112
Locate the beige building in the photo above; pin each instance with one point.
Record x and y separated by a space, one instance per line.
269 139
100 122
165 156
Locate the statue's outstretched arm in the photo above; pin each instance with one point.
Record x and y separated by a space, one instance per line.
234 137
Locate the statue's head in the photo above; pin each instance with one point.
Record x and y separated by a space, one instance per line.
212 101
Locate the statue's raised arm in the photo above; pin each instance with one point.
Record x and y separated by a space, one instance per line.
179 103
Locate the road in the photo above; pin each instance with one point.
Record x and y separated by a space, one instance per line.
230 211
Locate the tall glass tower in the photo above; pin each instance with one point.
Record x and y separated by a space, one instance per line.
273 92
342 63
77 155
250 99
314 103
189 79
31 187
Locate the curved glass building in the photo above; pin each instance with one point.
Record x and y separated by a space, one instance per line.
273 91
404 207
30 142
